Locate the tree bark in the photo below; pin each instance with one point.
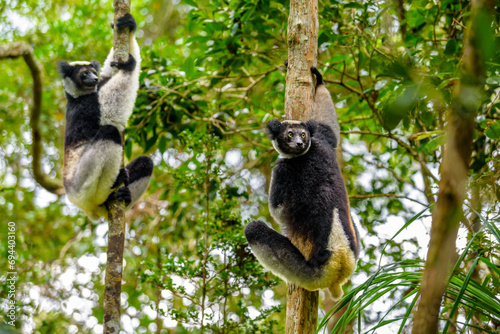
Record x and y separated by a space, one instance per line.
23 49
448 212
116 215
302 305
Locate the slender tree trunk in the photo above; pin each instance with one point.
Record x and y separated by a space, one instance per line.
302 305
448 212
116 234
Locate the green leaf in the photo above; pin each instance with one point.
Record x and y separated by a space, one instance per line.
397 110
493 131
128 148
191 3
354 5
162 144
188 67
433 144
451 47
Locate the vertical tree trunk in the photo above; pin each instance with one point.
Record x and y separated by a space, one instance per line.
116 233
448 211
302 305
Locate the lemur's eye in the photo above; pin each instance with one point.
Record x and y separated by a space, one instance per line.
290 134
84 74
303 135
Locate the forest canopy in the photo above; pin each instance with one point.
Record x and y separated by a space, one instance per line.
212 76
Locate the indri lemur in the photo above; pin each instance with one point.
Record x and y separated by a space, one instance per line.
97 112
308 198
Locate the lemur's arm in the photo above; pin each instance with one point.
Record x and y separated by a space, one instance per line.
119 90
324 109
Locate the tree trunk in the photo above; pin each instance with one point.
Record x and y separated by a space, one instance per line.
454 168
302 305
116 217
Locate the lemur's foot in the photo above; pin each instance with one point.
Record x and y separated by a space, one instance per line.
127 66
122 178
122 194
126 21
256 231
319 77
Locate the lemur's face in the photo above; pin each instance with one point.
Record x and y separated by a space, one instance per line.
86 77
79 78
291 138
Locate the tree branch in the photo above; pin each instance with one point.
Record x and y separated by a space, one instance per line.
116 215
23 49
448 211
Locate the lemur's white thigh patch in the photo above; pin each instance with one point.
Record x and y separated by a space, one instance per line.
137 188
94 174
342 262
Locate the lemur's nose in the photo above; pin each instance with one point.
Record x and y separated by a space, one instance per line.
299 144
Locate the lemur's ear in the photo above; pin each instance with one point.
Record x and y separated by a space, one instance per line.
64 69
273 128
96 65
311 126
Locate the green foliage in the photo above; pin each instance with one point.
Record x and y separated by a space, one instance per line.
218 272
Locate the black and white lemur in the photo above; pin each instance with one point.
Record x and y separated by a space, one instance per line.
308 198
97 112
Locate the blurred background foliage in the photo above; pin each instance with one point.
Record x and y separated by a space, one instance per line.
212 76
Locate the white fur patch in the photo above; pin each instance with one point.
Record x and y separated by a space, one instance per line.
137 188
117 97
90 178
79 63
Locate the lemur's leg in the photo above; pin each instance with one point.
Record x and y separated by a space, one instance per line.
278 254
135 179
97 168
118 92
324 109
139 172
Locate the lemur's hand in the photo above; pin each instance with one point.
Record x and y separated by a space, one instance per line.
122 194
126 21
127 66
319 77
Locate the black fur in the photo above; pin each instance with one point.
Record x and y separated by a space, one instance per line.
139 168
127 66
319 77
126 21
310 187
122 194
82 119
273 128
64 69
122 178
